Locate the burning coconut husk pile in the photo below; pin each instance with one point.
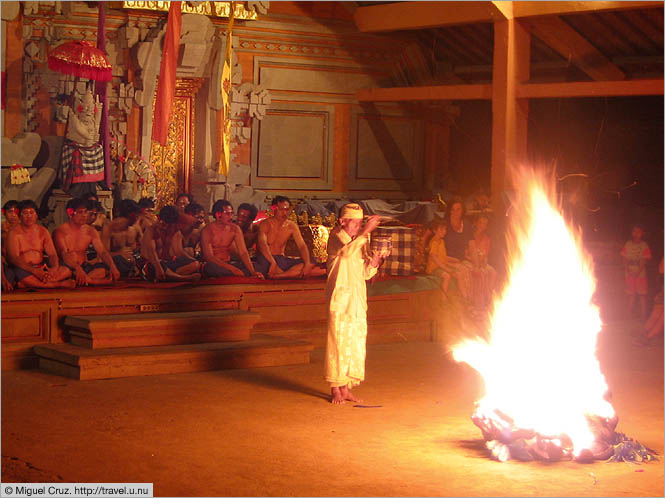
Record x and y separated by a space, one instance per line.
546 398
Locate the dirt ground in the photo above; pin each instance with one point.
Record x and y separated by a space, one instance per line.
271 431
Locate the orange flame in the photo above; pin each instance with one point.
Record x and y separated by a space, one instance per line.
539 364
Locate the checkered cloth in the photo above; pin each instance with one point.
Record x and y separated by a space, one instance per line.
401 259
80 164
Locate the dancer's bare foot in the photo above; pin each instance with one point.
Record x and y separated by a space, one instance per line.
346 392
336 397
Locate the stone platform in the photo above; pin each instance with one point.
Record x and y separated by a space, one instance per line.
159 329
294 310
85 364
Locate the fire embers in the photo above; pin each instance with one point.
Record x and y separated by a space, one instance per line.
505 442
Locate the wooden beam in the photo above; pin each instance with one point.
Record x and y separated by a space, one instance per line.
419 15
440 92
512 53
624 88
572 46
591 89
527 9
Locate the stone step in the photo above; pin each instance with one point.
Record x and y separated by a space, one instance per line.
159 329
378 331
84 364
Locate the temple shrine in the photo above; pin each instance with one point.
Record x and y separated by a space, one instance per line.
399 105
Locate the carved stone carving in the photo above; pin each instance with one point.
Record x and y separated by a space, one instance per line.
261 7
248 101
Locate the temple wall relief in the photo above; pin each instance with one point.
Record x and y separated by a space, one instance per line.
296 127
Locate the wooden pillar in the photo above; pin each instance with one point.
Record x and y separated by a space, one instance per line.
509 114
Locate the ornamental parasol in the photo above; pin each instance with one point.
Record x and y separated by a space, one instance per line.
80 59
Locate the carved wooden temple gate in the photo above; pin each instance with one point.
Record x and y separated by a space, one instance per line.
173 163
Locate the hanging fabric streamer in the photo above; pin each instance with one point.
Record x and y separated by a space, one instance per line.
167 75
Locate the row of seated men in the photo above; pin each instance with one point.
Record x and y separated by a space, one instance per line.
181 243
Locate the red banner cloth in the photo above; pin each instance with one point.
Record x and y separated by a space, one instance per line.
167 75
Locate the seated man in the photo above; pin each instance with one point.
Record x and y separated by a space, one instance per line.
72 240
96 214
182 200
26 244
246 215
120 238
162 248
10 212
146 215
192 232
218 238
274 232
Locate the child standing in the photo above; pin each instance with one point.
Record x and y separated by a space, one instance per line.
483 275
635 254
437 257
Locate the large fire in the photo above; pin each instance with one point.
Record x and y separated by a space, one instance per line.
543 381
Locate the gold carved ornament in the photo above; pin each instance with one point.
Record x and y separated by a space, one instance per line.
176 158
212 9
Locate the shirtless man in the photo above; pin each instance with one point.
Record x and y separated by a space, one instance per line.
10 211
245 219
192 233
217 240
120 238
26 244
182 200
146 215
162 247
274 232
72 240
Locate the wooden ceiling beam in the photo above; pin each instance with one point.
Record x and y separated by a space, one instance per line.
572 46
523 91
523 9
626 88
421 15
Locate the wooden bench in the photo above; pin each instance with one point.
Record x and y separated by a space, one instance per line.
159 329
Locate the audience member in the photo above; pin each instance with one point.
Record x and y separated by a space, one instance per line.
10 212
27 242
146 215
192 232
483 276
217 240
120 238
653 327
182 200
635 254
72 240
274 233
437 257
96 216
457 239
246 216
100 219
162 248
